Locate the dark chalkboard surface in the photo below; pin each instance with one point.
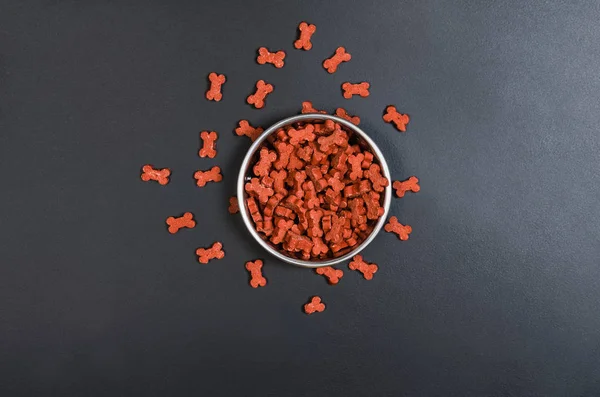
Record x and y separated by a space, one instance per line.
496 292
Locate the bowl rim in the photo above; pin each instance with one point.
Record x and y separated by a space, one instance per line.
242 180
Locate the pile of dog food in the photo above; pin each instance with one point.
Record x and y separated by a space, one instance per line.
314 192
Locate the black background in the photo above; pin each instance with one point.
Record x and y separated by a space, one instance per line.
495 293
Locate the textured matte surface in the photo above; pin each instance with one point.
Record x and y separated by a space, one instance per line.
495 294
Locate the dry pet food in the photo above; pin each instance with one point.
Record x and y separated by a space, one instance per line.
315 305
159 175
187 220
212 175
393 226
341 112
333 275
246 129
214 252
258 98
411 184
256 277
393 116
209 140
314 192
361 89
359 264
274 58
340 56
306 32
216 82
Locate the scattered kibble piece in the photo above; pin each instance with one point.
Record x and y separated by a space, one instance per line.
307 107
306 32
258 98
367 269
315 305
398 119
213 252
393 226
234 207
216 83
187 220
411 184
331 64
159 175
209 140
341 112
246 129
212 175
333 275
256 277
274 58
361 89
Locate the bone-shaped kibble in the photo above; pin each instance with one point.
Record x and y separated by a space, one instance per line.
274 58
368 160
314 223
214 92
234 207
258 98
284 150
378 181
305 134
335 235
258 190
333 275
393 226
263 166
294 163
212 175
304 153
159 175
208 144
272 203
361 89
294 242
306 32
315 175
319 247
367 269
393 116
315 305
325 128
279 181
337 138
340 56
374 208
359 212
187 220
341 112
256 277
310 195
307 107
339 163
336 184
214 252
357 188
355 163
253 210
281 228
246 129
402 187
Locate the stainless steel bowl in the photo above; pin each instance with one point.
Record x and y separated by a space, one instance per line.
245 176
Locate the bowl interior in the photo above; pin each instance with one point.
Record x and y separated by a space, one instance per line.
357 136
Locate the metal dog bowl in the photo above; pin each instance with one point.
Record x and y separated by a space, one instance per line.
245 176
